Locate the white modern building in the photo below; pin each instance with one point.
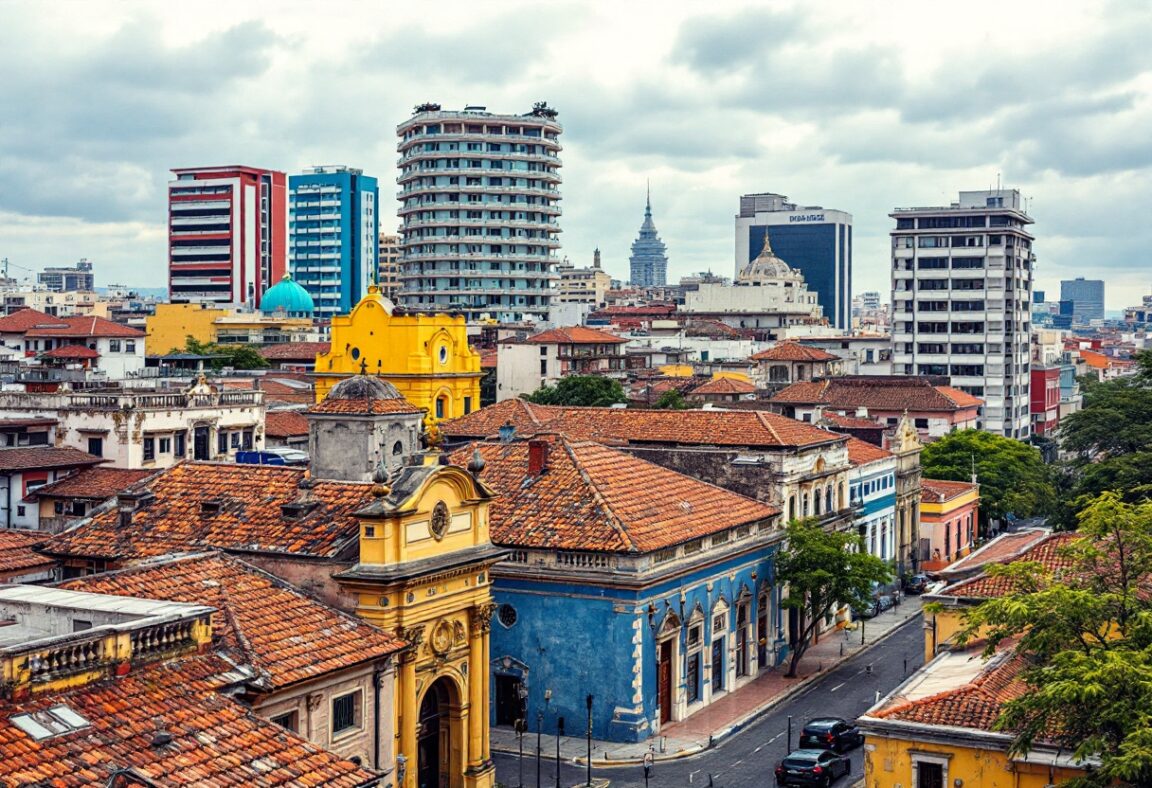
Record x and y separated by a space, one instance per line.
479 201
961 301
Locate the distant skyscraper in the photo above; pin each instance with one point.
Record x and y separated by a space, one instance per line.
389 267
226 234
332 236
479 199
961 301
1087 297
649 260
815 240
61 279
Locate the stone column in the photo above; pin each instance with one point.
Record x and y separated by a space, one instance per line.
409 717
479 769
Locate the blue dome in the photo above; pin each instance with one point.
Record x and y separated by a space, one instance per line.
288 296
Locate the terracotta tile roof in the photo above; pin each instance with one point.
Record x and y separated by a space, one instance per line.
850 422
976 705
962 398
216 741
38 457
877 392
575 335
207 505
1050 554
93 483
725 386
71 351
1003 548
487 421
794 351
7 424
364 406
488 359
294 351
261 621
939 491
624 425
83 326
23 319
861 452
285 424
17 555
596 498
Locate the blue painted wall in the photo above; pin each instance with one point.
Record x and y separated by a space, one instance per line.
576 639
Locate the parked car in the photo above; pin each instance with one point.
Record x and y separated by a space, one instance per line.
916 584
879 603
831 733
812 767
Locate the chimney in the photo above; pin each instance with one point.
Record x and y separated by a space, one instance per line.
537 457
508 432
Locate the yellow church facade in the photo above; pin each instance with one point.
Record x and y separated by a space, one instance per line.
425 356
425 573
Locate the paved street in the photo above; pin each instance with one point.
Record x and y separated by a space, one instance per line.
746 759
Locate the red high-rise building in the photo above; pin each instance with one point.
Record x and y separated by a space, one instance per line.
227 234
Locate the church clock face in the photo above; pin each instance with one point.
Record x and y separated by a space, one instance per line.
438 525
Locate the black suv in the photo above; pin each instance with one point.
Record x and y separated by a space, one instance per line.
830 733
811 767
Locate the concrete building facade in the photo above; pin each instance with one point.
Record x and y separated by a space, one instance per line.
479 201
227 232
1087 297
961 301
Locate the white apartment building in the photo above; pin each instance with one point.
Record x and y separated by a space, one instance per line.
961 301
479 201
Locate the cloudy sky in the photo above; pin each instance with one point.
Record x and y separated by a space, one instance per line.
858 105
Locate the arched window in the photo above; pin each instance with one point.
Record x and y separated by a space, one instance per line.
791 507
828 499
397 448
804 504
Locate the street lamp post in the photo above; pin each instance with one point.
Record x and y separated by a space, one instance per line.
588 701
521 726
559 733
539 730
647 767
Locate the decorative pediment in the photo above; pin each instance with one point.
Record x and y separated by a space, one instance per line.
669 625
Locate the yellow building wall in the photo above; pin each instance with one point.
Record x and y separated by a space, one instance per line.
731 376
425 356
445 614
888 764
945 510
677 370
173 323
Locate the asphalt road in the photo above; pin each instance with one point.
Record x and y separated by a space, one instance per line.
746 759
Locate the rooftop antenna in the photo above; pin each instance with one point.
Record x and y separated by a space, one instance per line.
997 181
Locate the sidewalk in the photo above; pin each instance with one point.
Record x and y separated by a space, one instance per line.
727 714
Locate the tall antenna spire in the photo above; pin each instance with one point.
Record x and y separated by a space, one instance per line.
648 200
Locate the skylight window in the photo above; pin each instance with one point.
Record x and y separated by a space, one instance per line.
56 721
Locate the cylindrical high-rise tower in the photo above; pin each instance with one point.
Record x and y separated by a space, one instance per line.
480 202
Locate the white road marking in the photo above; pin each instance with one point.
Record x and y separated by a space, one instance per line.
838 686
777 736
758 749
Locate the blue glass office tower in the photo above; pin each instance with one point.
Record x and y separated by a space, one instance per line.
333 236
816 240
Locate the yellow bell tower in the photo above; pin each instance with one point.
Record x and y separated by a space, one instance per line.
425 356
425 574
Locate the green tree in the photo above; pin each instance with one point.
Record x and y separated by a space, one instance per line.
672 400
582 390
1012 475
234 356
1086 632
822 571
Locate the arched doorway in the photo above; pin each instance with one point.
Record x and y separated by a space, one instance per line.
440 737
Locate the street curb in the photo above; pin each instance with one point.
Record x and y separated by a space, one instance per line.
751 717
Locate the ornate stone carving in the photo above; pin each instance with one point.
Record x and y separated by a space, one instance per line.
441 639
481 618
441 519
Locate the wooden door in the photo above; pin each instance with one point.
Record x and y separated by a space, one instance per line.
664 681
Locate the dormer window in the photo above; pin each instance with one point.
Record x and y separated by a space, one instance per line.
210 508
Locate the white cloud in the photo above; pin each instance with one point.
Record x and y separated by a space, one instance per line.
856 106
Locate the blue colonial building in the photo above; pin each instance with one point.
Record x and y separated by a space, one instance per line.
648 263
872 482
649 590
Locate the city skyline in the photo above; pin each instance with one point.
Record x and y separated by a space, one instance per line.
864 125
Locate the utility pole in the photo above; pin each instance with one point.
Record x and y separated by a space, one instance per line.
559 733
588 701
